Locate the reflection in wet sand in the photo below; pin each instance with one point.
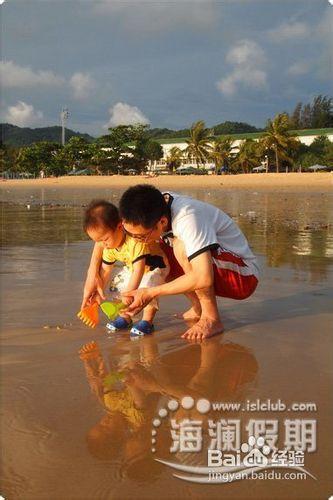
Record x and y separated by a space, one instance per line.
132 395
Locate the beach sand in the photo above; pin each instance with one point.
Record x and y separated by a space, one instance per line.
320 181
277 344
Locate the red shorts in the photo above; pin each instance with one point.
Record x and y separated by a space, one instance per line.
232 277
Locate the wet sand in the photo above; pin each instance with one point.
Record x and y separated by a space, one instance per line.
59 437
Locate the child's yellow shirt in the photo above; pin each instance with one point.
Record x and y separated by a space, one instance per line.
123 402
133 250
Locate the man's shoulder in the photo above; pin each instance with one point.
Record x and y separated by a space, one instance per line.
183 205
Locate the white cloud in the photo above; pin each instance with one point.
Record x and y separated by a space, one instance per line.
13 75
124 114
248 59
23 115
163 15
299 68
289 31
246 52
82 84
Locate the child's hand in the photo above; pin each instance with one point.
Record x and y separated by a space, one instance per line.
89 351
93 290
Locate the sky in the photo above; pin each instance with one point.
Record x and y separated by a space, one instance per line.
164 63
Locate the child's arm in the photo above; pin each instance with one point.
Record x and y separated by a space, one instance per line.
93 286
95 368
105 273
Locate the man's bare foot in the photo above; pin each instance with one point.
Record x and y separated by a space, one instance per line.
204 329
191 315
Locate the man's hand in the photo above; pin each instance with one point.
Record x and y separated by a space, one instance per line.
93 290
126 300
140 297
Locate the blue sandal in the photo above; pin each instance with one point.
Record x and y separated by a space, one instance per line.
119 323
141 328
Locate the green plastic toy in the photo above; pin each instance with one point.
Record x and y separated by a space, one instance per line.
112 309
112 378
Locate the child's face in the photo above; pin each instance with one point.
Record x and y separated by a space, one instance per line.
110 238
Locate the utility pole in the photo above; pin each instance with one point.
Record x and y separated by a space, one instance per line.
63 117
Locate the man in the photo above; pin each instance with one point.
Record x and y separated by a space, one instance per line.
209 255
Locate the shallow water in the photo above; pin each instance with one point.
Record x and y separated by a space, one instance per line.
59 437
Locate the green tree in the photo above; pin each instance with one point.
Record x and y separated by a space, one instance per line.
41 156
278 139
141 151
319 145
152 150
126 146
306 117
198 147
328 157
76 153
308 159
8 157
247 156
99 159
174 158
222 152
322 112
295 119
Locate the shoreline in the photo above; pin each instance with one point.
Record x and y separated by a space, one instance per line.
312 182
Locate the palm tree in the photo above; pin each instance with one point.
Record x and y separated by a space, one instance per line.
173 160
221 152
279 139
198 147
247 156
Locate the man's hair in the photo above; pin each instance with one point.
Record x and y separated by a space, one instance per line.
101 213
142 204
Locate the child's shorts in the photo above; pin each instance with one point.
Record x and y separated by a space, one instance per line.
233 278
151 278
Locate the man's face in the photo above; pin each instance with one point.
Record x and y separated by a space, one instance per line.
110 238
141 233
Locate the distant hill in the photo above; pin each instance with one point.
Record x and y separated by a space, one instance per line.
12 135
220 129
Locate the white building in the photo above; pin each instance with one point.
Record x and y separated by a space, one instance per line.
161 164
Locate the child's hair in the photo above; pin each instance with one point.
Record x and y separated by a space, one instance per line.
101 213
143 204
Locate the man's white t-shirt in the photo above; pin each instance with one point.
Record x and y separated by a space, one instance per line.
201 226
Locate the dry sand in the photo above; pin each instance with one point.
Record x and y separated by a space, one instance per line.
320 181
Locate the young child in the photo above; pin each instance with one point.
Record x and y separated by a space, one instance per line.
145 264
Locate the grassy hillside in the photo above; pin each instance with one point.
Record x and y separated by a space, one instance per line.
12 135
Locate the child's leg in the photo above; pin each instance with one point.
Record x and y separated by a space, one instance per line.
152 278
149 313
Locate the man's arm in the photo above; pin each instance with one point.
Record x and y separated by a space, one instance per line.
200 276
93 287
